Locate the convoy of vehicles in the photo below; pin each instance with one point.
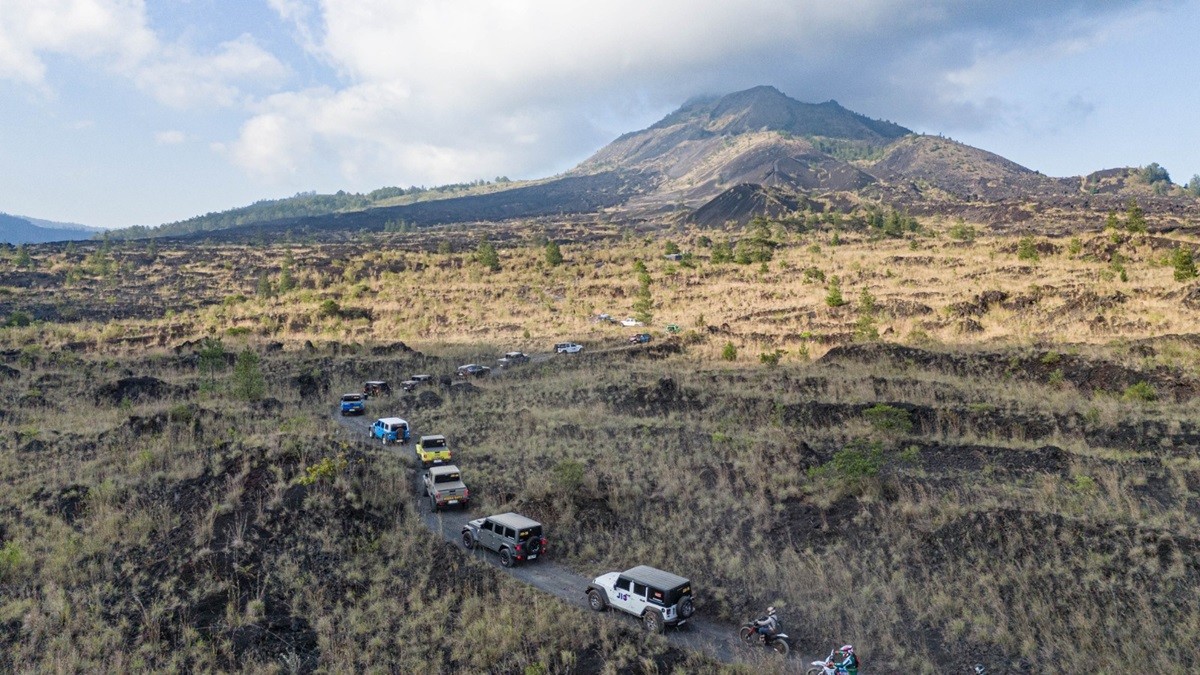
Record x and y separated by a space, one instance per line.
657 598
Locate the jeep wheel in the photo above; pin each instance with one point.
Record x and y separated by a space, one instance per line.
652 621
535 545
468 541
595 601
686 608
506 557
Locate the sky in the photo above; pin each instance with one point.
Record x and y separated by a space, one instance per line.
122 112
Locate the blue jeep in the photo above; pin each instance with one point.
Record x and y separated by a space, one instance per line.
390 430
352 404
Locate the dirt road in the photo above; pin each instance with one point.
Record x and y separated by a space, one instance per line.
717 640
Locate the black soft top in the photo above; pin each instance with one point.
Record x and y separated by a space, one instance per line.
652 576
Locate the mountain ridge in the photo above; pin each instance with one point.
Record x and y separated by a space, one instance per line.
758 136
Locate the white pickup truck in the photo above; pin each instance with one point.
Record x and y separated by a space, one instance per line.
444 486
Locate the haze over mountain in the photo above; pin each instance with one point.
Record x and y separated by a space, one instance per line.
26 230
774 153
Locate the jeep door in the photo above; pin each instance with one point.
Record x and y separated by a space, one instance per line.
620 594
487 538
637 599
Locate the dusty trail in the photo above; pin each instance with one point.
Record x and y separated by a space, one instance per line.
717 640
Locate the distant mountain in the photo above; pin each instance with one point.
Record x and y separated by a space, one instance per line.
728 159
26 230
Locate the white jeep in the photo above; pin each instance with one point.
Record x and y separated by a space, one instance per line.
658 598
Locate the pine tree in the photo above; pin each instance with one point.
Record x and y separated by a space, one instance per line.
554 255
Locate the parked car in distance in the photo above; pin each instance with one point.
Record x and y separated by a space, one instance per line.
409 385
658 598
421 378
444 487
640 338
390 430
567 348
512 359
352 404
433 450
630 322
473 370
515 537
376 388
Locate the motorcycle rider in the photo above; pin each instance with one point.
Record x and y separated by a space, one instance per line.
849 664
768 625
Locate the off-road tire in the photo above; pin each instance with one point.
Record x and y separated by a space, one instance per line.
814 671
506 558
468 541
780 646
686 608
535 546
746 633
596 602
652 621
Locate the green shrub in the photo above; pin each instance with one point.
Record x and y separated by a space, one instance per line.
833 293
888 419
325 470
729 352
851 465
771 358
1027 250
248 381
961 231
12 561
329 308
19 318
1184 263
1142 392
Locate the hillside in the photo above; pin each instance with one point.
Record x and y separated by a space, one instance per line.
986 451
25 230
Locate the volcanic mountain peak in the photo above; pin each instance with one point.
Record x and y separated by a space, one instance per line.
766 108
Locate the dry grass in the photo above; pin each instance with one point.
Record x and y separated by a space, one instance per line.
1029 511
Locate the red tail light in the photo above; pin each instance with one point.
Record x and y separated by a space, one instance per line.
545 543
518 549
466 493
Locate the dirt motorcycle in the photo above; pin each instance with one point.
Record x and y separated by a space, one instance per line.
778 641
825 667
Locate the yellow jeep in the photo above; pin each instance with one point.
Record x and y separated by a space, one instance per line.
433 450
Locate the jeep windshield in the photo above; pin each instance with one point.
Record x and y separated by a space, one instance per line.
433 443
351 398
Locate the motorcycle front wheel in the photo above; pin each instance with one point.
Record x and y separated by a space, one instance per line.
746 632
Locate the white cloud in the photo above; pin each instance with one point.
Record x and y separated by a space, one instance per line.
171 137
179 78
113 31
114 36
437 91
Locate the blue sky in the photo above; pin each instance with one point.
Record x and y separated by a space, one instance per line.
121 112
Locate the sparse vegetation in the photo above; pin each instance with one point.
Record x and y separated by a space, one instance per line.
180 529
